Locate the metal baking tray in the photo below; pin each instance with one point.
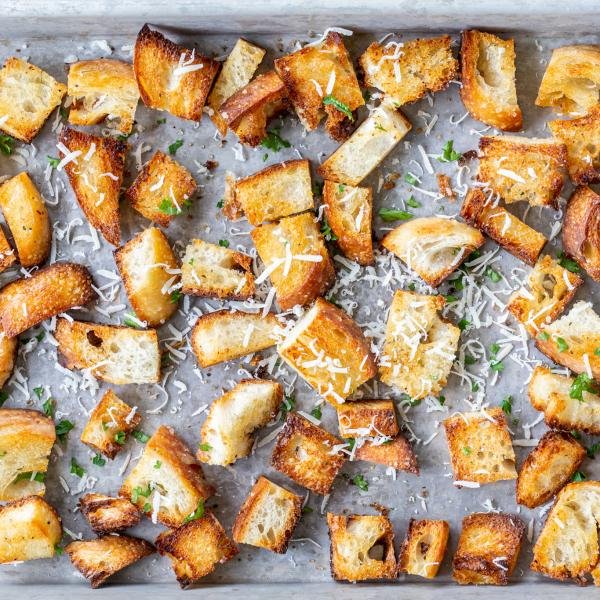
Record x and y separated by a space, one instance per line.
52 33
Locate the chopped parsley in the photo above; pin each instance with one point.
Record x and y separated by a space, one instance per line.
48 407
224 243
39 392
58 550
175 146
53 162
413 203
161 121
331 100
561 344
140 491
582 383
120 437
76 468
140 436
147 507
592 450
6 144
578 476
31 476
463 324
497 366
449 154
98 460
493 275
197 514
273 141
494 348
175 296
288 405
158 464
62 429
380 127
360 482
327 231
393 214
265 157
507 405
317 412
410 178
450 298
350 442
568 263
205 447
167 206
543 335
306 510
469 359
132 321
341 188
466 450
221 203
442 400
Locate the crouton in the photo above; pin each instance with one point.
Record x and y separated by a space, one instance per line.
231 207
395 452
433 247
102 89
505 229
25 214
26 440
374 139
295 259
268 517
110 422
171 77
224 335
488 88
367 418
27 97
162 189
306 453
420 346
182 546
488 549
321 81
227 432
523 169
362 547
166 481
424 547
50 291
480 446
405 72
149 270
29 529
330 352
348 211
573 340
582 138
95 171
581 230
237 70
445 186
98 559
548 467
108 515
8 356
545 295
571 82
567 547
110 353
7 254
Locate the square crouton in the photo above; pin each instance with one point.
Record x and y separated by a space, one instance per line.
395 452
330 352
227 432
171 77
109 424
108 515
362 547
307 454
424 547
367 418
182 547
480 447
162 189
523 169
27 97
488 549
405 72
433 247
102 89
166 482
321 82
268 517
420 346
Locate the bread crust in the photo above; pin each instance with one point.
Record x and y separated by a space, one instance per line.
396 453
367 418
8 356
423 549
108 515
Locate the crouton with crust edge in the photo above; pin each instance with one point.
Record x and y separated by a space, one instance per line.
395 452
230 206
363 418
108 515
7 255
8 356
423 549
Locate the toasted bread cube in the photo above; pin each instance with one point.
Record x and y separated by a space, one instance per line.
295 258
362 547
405 72
374 139
433 247
317 73
8 356
26 440
98 559
348 211
7 254
182 547
108 515
110 353
488 549
424 547
268 517
367 418
419 347
231 207
488 88
227 432
166 469
445 186
504 228
50 291
25 214
548 467
147 264
307 454
27 97
171 77
571 82
523 169
29 529
95 172
102 89
330 352
395 452
162 189
480 446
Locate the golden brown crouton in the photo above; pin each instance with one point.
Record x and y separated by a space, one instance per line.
445 186
108 515
367 418
231 207
7 254
396 453
8 356
424 547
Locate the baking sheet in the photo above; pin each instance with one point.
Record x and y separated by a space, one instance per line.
431 495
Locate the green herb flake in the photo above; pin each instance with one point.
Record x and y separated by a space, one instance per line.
568 263
120 437
58 550
265 157
466 450
175 146
98 460
411 179
493 275
317 412
331 100
77 469
158 464
578 476
205 447
53 161
413 203
221 203
289 403
6 144
442 400
327 231
494 349
360 482
140 436
62 429
582 383
48 407
393 214
469 359
175 296
350 442
576 434
30 476
497 366
224 243
593 450
39 392
306 510
161 121
132 321
597 352
147 507
273 141
561 344
463 324
197 514
543 335
449 154
507 405
167 207
450 298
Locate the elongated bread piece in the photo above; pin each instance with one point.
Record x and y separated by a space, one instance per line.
8 356
367 418
8 256
423 548
231 207
395 452
108 515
